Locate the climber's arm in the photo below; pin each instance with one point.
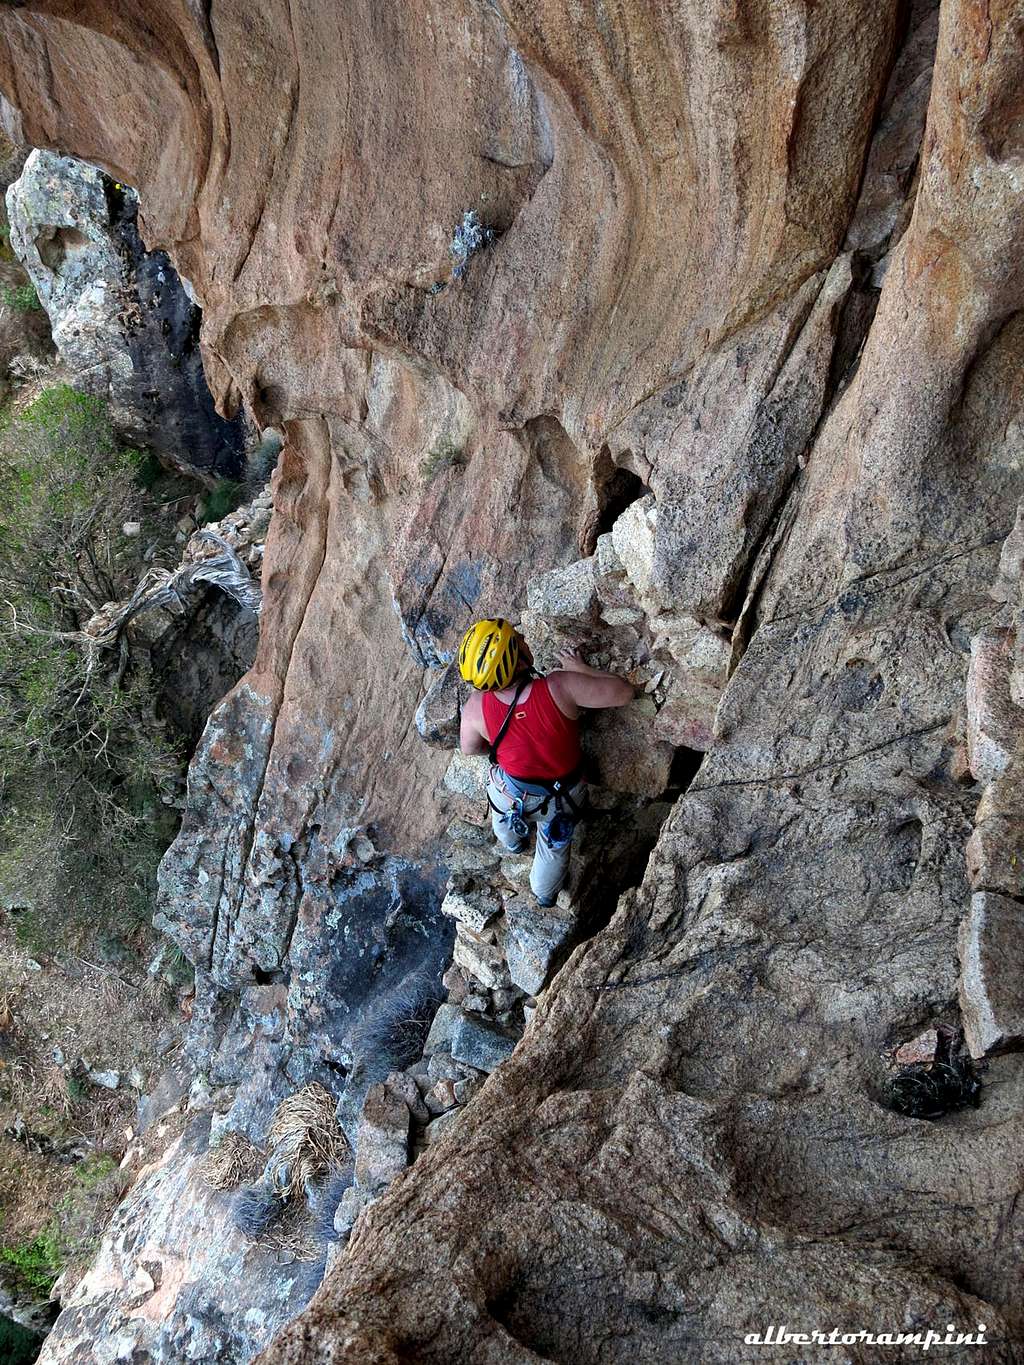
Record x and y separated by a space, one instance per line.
472 736
589 688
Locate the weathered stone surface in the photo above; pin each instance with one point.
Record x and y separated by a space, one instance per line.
172 1268
442 1125
565 595
382 1144
353 1201
440 1036
991 947
484 961
608 564
995 855
480 1044
124 326
473 908
633 537
535 943
405 1087
623 751
439 713
467 777
994 736
441 1097
687 719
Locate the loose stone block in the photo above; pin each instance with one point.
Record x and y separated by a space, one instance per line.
474 909
484 961
382 1141
439 1039
536 942
565 594
991 947
480 1045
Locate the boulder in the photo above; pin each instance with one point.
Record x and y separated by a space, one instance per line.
995 726
991 948
466 776
439 714
566 595
475 909
484 961
441 1097
623 751
403 1085
687 718
536 942
479 1044
633 537
382 1141
607 561
440 1035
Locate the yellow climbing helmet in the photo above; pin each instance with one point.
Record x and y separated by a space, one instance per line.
489 654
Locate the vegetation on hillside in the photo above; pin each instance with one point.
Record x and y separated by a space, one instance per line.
84 761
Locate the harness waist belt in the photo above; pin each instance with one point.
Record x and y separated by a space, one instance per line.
543 786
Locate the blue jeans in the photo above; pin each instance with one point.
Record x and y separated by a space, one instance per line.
550 865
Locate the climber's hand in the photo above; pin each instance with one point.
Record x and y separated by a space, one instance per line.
573 661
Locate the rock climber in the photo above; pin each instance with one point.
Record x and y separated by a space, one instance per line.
537 777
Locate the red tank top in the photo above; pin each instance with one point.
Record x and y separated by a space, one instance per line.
541 742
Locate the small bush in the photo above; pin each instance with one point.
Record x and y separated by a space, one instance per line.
34 1265
94 1170
255 1209
20 298
444 455
225 496
261 463
391 1034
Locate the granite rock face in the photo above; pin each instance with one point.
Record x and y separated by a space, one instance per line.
755 286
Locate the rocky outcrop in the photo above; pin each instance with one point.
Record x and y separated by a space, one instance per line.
124 324
751 308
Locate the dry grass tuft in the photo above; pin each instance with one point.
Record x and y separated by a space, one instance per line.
55 1089
291 1236
233 1162
6 1012
307 1139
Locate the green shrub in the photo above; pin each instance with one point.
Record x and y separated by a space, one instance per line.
225 496
21 298
94 1170
83 758
444 455
34 1265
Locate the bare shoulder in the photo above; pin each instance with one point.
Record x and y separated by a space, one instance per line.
473 706
560 687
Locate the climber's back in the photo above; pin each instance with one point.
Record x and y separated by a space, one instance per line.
529 727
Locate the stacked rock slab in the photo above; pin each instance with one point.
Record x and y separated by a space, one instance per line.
991 939
507 950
